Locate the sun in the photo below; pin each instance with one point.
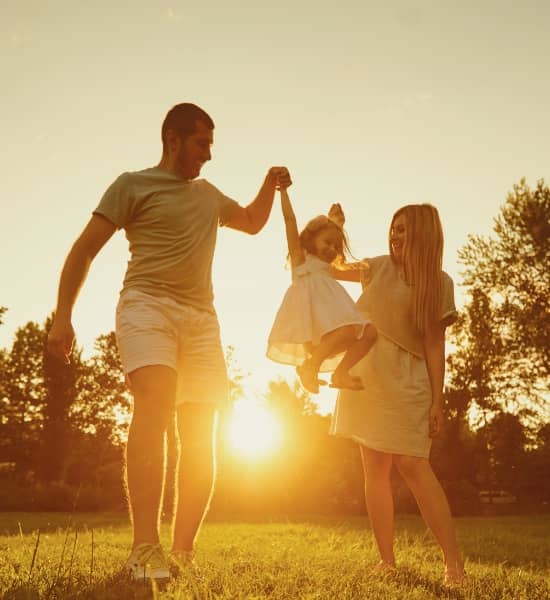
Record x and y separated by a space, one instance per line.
254 431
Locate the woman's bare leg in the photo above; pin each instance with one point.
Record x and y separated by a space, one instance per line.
434 508
379 500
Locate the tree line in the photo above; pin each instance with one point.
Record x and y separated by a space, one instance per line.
62 427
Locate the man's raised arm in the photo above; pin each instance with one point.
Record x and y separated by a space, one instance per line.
253 217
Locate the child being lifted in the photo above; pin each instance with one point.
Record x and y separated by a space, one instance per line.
318 327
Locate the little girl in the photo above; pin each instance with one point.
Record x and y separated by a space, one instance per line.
318 321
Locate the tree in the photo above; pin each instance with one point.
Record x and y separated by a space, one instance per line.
505 440
475 368
100 417
23 398
503 335
103 404
57 418
61 384
536 476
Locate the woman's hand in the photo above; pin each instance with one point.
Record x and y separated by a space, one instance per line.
434 351
336 214
437 419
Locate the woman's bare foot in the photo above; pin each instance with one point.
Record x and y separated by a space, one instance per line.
454 577
384 568
309 377
346 381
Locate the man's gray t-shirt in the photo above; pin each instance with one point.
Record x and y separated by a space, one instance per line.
171 226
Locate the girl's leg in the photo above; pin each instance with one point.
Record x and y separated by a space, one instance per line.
331 343
431 499
355 352
379 500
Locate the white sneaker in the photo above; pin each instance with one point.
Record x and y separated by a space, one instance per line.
147 561
180 562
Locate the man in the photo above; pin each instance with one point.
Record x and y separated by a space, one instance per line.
167 329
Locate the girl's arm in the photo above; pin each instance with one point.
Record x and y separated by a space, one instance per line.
434 351
344 271
292 236
252 218
348 271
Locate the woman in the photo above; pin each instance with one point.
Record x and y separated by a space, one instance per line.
410 301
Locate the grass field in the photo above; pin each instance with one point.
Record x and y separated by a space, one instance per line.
56 555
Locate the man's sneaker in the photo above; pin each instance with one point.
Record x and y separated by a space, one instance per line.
147 561
182 561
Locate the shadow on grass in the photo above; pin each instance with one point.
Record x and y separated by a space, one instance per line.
114 587
407 578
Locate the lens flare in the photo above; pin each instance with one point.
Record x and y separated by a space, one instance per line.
254 431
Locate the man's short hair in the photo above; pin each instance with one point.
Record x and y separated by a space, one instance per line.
182 118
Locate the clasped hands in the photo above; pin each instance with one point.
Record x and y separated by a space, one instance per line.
279 177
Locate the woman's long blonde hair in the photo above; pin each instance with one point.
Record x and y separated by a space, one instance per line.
422 261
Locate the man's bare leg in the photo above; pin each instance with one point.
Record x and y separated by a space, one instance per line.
153 388
196 472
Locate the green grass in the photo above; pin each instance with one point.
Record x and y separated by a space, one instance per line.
507 557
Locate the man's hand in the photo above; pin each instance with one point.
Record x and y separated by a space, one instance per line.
336 214
60 340
437 419
279 178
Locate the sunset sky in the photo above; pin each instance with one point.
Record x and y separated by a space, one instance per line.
370 104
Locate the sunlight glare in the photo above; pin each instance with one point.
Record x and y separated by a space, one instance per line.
254 431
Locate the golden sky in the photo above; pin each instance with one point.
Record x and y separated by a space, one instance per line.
371 104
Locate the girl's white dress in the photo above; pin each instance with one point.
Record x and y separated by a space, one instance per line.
313 305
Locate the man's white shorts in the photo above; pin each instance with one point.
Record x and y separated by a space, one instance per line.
160 331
